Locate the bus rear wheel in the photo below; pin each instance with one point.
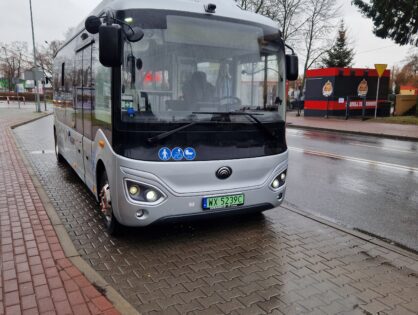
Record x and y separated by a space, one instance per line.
112 225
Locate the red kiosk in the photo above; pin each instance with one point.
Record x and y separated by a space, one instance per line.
329 90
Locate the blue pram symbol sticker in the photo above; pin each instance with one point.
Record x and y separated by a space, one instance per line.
189 154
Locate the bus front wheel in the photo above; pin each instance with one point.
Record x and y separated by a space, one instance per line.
112 225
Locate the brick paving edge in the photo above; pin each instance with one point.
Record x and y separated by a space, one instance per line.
123 306
351 132
363 236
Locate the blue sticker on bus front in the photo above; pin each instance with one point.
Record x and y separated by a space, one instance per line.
189 154
131 112
164 154
177 154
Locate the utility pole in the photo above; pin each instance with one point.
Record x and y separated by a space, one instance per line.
38 104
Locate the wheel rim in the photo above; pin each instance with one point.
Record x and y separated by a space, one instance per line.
106 202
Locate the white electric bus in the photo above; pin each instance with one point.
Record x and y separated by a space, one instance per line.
174 108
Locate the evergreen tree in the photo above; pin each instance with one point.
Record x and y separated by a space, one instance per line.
340 55
396 19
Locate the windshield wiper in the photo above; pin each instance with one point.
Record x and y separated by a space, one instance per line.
169 133
251 115
256 121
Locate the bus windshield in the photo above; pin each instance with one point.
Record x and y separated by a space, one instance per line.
186 65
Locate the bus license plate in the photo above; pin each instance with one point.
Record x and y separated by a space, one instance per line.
223 201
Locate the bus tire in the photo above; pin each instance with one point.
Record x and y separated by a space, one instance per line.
58 155
113 227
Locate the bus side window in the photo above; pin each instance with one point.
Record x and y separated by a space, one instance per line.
68 84
101 81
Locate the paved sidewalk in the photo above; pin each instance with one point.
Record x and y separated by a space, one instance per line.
36 277
282 262
353 125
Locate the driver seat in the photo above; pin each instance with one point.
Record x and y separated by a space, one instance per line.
198 89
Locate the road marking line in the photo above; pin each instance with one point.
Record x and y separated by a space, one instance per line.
387 148
354 159
395 149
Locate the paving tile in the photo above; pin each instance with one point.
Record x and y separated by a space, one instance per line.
13 310
10 285
28 302
11 298
46 305
374 307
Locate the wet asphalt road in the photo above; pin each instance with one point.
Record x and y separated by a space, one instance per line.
365 183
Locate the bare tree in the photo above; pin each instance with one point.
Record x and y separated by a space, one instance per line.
13 61
289 14
251 5
292 17
46 54
306 24
321 16
408 74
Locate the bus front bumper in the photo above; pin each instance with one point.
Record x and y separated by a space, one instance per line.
176 206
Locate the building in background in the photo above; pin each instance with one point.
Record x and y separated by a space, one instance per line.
408 90
328 90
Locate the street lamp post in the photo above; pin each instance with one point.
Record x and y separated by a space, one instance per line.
38 105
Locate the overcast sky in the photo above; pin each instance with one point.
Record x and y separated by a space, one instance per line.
52 18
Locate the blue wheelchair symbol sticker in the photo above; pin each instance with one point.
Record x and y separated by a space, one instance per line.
189 154
164 154
177 154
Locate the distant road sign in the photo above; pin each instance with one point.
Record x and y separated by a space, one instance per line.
380 68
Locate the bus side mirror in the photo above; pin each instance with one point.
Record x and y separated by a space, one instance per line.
135 34
110 45
292 67
92 24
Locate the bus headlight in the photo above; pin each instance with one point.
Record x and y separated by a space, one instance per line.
279 181
142 192
151 195
275 184
134 190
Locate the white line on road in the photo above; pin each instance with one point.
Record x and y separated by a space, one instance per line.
385 147
357 160
394 149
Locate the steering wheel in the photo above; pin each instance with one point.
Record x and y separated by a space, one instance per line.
235 101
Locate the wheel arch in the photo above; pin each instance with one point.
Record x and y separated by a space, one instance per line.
100 169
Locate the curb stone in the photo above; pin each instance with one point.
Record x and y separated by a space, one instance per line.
67 245
43 115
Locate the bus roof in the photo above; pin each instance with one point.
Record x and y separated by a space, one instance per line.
225 8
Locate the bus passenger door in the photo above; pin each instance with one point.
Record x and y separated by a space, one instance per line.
77 134
88 108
